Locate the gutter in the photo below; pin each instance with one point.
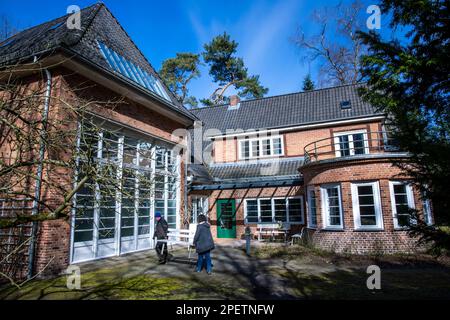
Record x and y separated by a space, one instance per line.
37 190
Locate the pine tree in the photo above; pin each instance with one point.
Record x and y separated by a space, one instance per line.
308 84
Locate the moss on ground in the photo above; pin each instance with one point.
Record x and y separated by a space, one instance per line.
294 272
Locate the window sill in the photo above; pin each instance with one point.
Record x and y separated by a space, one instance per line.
361 229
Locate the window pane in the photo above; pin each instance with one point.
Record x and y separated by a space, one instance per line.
80 236
280 210
401 205
344 146
277 146
252 210
295 209
266 210
312 207
245 149
265 147
255 148
358 143
333 202
368 221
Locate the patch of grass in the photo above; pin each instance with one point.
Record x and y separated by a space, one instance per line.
101 284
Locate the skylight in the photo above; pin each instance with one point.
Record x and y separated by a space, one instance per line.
7 43
131 71
345 104
56 26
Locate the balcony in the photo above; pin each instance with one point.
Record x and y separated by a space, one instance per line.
352 145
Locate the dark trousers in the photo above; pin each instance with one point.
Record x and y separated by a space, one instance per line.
162 254
204 258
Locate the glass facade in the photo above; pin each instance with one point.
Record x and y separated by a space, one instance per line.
130 178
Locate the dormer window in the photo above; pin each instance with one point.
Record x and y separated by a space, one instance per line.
253 148
133 72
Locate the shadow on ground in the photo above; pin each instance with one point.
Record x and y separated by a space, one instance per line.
271 273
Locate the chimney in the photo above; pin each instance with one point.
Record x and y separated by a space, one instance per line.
235 102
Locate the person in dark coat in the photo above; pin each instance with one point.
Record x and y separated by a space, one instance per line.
204 243
161 229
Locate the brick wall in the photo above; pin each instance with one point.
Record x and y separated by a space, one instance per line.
226 150
239 195
389 240
53 238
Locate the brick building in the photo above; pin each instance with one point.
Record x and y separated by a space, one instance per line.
100 63
320 162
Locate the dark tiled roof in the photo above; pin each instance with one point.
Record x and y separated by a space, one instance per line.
97 24
287 110
283 167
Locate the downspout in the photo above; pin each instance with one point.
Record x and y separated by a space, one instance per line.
37 190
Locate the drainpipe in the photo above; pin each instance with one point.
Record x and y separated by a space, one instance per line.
37 189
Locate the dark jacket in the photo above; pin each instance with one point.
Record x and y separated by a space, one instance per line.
161 229
203 240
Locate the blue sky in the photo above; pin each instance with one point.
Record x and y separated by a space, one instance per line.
262 28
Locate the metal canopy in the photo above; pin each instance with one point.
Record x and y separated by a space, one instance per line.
246 185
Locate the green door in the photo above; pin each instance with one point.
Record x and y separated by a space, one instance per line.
226 218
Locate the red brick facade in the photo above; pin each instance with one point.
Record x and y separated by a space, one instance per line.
54 237
389 240
378 167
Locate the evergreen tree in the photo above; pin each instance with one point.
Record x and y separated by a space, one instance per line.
178 72
409 81
308 84
229 71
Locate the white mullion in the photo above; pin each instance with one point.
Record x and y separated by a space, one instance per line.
178 192
136 198
258 205
351 146
118 216
97 196
166 185
74 199
288 211
272 204
152 191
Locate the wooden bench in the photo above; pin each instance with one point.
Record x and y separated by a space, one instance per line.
184 237
269 229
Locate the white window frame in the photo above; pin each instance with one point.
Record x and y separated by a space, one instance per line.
117 241
337 145
377 205
205 206
272 203
245 210
309 202
259 141
325 211
410 199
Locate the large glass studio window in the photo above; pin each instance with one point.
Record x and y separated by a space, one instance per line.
131 177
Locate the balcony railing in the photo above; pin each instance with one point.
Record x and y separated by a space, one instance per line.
350 145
